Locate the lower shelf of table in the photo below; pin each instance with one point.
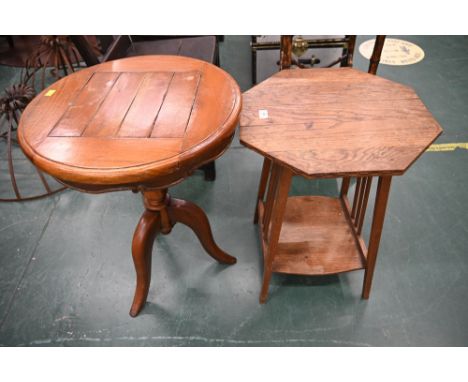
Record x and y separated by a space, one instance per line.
316 238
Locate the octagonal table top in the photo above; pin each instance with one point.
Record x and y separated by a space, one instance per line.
140 120
336 121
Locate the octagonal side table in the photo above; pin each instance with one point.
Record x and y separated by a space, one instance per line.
329 123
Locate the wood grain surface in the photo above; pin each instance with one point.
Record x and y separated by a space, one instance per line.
336 122
147 120
315 238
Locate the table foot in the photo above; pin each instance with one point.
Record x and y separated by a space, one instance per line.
182 211
142 248
265 285
161 214
380 205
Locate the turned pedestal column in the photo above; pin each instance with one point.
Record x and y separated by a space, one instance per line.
161 213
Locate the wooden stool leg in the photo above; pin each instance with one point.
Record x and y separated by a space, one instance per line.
381 199
182 211
142 248
272 232
262 186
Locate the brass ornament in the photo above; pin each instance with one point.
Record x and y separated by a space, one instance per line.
299 46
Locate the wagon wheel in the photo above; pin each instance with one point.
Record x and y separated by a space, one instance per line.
12 104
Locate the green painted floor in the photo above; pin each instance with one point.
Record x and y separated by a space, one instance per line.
67 278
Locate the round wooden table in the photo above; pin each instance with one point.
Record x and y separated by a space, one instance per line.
141 123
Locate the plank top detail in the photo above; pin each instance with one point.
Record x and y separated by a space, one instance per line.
131 121
335 122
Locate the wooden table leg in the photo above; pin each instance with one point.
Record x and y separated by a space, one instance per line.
11 42
142 246
271 197
209 171
161 214
182 211
272 226
381 199
262 186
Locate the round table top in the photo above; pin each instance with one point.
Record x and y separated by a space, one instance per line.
147 120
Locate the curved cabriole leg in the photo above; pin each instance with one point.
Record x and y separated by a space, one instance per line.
142 248
181 211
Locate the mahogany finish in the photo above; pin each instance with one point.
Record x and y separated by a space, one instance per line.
141 123
353 124
114 47
162 213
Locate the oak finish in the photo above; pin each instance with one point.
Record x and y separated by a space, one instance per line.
141 123
369 125
316 238
346 60
354 124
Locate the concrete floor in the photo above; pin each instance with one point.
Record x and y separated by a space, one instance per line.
67 278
